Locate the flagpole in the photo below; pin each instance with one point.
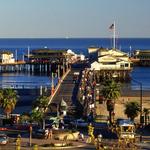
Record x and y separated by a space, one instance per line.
114 36
130 50
28 52
16 55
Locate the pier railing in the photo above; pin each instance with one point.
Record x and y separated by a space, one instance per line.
57 87
23 85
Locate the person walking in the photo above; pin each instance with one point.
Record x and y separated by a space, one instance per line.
50 134
46 134
81 136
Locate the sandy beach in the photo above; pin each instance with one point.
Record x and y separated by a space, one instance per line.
126 96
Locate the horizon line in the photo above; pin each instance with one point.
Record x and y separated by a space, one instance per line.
73 38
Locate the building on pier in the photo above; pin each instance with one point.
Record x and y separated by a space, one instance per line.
42 61
6 57
141 57
112 62
46 55
47 60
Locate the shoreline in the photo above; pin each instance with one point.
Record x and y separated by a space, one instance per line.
126 92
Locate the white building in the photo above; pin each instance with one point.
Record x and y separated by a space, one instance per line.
6 57
73 57
111 60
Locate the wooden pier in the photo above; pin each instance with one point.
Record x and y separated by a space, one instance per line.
117 74
40 61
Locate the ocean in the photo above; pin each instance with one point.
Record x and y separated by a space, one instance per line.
20 46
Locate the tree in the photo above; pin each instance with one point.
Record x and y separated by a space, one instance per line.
1 96
132 110
41 105
25 117
110 92
146 113
36 115
9 99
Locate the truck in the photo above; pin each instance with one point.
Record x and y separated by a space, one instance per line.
126 129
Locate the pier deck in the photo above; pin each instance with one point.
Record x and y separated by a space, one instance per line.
68 89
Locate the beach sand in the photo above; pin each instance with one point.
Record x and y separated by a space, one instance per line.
125 97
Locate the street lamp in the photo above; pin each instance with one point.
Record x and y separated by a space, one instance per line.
141 98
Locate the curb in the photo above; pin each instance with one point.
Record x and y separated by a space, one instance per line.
63 147
59 147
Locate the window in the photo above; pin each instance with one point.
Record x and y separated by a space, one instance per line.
126 65
121 65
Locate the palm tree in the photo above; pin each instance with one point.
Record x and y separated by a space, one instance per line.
1 96
25 117
132 110
41 104
110 92
146 113
9 100
36 115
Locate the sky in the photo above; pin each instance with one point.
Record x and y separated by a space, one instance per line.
73 18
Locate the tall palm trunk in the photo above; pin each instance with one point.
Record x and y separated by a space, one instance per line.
43 123
145 119
110 117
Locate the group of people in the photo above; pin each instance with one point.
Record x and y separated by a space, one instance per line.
87 91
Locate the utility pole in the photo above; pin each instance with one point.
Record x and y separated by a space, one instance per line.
141 99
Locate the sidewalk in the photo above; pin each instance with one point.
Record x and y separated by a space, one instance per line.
144 145
45 144
77 145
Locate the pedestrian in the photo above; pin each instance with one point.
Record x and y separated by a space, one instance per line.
99 137
18 141
81 136
50 134
46 134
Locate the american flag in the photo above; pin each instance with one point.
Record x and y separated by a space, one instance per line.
111 27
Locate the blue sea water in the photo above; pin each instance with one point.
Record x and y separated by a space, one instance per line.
79 46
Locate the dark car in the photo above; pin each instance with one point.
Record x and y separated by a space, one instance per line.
40 133
67 119
49 123
101 125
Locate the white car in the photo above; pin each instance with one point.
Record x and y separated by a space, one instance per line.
3 139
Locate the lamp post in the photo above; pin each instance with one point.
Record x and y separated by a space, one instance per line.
30 136
52 85
141 98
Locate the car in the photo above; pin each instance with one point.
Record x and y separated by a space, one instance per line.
49 123
79 123
67 119
100 125
3 139
40 133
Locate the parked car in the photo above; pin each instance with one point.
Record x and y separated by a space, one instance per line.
79 123
49 123
40 133
3 139
100 125
67 119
